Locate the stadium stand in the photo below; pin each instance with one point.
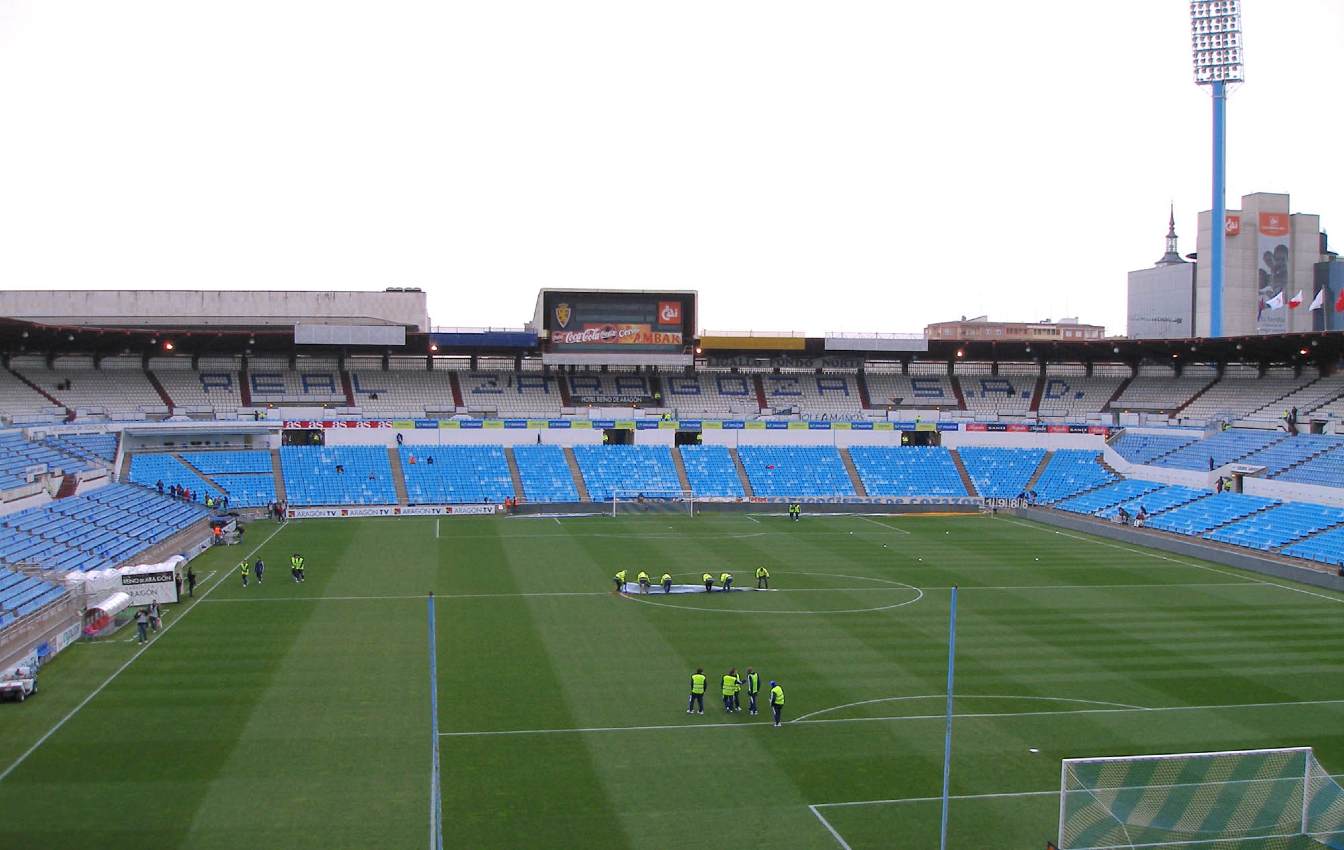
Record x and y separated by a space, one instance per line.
1241 390
795 471
1327 548
1224 447
18 454
608 389
711 472
312 476
105 528
711 395
918 392
1278 526
148 470
1157 389
1156 501
313 381
1006 394
97 448
1313 396
824 396
455 475
1208 513
1325 470
1070 471
21 404
1291 451
511 393
629 470
545 474
118 389
1125 490
1000 473
246 476
407 388
21 595
1146 448
907 471
211 390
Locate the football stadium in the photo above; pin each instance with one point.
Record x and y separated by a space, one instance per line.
595 576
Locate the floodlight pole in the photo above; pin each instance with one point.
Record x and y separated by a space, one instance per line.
1218 227
947 735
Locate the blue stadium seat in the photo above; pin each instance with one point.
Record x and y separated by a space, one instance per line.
1208 513
907 471
1224 447
311 476
711 472
1000 473
1279 526
1327 548
1155 501
1146 448
629 470
1292 451
545 474
149 469
1325 470
1126 490
796 471
1070 471
457 475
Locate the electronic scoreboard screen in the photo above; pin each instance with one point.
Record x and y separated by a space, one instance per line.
617 321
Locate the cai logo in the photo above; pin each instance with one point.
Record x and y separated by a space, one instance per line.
1273 224
563 314
669 312
1232 225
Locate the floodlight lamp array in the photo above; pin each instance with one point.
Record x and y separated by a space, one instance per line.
1215 41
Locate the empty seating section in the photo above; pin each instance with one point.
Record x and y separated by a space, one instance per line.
1065 396
105 528
91 447
711 472
1278 526
337 475
214 387
628 471
1313 396
609 389
510 393
1239 392
148 470
710 395
1146 448
311 382
21 595
119 388
1224 447
545 474
990 395
1000 473
907 471
455 475
402 392
1116 493
920 392
1292 451
246 476
1210 512
1327 548
1325 470
22 403
18 454
1156 501
1070 471
826 396
1159 390
796 471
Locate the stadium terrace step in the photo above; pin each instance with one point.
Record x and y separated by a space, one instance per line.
574 470
1040 470
961 405
853 473
159 388
55 402
398 476
864 399
742 474
69 484
348 389
961 467
278 473
1119 391
566 400
760 391
1036 394
1191 400
515 474
456 386
245 392
680 465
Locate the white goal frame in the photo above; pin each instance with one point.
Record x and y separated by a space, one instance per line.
668 497
1067 764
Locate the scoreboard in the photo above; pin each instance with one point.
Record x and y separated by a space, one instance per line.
617 320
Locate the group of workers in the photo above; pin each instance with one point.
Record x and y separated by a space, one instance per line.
296 566
725 581
732 689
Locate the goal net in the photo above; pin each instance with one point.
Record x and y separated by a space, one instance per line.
632 502
1248 799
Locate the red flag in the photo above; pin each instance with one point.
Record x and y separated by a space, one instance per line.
1339 303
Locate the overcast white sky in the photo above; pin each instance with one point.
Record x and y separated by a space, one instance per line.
819 166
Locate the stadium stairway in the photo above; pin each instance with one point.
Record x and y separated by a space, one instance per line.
1191 399
756 382
961 467
742 474
398 476
457 399
514 474
853 473
1036 394
865 400
163 393
961 405
1040 470
245 396
574 470
206 478
279 475
69 484
1119 391
680 466
349 390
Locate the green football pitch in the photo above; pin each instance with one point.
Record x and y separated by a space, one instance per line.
297 716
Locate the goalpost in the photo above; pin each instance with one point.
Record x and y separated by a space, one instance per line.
1279 796
630 502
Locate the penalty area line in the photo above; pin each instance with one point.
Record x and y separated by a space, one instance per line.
884 525
829 828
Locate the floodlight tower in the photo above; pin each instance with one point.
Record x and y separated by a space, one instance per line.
1215 37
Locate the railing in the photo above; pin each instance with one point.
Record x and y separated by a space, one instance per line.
849 335
455 330
758 334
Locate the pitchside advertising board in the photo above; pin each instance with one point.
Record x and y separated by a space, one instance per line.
577 320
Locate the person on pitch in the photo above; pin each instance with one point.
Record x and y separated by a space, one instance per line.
753 688
667 583
619 579
643 579
729 689
777 702
243 569
726 581
737 693
698 681
708 579
762 578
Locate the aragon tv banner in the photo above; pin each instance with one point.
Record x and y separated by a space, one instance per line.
628 321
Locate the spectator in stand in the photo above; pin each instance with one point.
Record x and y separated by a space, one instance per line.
159 485
1210 463
430 460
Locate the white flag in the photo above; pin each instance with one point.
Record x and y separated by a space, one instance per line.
1318 302
1295 301
1275 303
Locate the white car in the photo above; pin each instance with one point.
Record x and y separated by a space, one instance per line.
18 683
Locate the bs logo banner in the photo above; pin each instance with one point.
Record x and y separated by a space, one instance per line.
562 315
669 312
